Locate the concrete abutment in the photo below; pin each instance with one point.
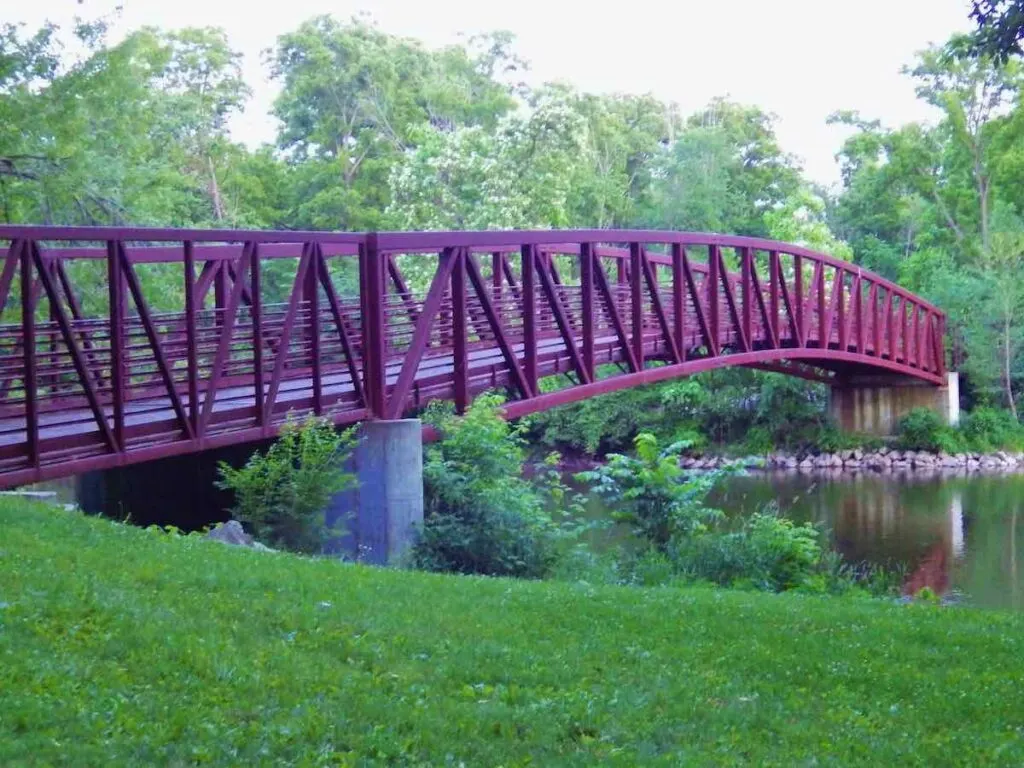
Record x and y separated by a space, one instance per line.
874 405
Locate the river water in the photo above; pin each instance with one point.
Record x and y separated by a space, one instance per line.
962 536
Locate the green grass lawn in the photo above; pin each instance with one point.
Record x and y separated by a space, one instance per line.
120 646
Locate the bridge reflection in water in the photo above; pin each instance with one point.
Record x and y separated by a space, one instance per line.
960 536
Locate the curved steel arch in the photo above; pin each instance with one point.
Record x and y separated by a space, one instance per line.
255 325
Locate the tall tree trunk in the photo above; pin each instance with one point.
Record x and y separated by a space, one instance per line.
218 202
1007 383
983 192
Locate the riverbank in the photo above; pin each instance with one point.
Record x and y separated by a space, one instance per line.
125 646
882 460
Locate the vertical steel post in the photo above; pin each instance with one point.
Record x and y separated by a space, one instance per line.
115 288
192 357
459 352
713 281
312 300
256 310
774 278
371 271
636 269
679 301
747 289
28 349
529 294
587 297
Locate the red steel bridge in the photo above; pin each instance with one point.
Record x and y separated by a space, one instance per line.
121 345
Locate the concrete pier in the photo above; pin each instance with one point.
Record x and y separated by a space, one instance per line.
874 405
382 514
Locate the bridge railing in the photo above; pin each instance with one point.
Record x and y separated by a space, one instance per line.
124 344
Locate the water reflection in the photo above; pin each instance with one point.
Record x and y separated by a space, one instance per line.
952 534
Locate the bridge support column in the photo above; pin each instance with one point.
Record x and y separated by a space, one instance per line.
874 405
386 508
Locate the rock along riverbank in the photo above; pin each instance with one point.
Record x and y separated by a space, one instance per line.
882 460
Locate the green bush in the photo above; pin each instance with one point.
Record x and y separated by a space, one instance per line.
951 440
282 494
652 493
920 430
989 429
723 407
758 441
831 439
768 552
481 515
792 410
686 540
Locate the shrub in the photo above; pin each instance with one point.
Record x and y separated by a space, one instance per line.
987 429
920 430
758 441
666 508
950 440
481 515
836 576
282 494
830 439
654 495
768 552
791 409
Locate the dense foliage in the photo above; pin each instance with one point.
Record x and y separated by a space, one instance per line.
738 409
652 494
1000 27
982 430
481 515
938 208
282 493
684 539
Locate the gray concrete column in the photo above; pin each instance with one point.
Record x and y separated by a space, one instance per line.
952 397
384 511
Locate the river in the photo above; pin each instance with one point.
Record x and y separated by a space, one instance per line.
961 536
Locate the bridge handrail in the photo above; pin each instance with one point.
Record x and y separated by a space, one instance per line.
394 242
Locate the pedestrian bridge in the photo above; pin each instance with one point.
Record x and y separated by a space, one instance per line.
121 345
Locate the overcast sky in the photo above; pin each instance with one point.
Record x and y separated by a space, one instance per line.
799 59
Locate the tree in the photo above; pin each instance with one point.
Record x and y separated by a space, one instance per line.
517 175
998 326
760 174
625 138
1000 27
133 132
203 77
975 95
801 220
354 99
935 206
692 190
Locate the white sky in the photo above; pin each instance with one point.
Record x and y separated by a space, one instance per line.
800 59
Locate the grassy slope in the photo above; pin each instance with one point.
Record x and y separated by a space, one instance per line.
121 646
